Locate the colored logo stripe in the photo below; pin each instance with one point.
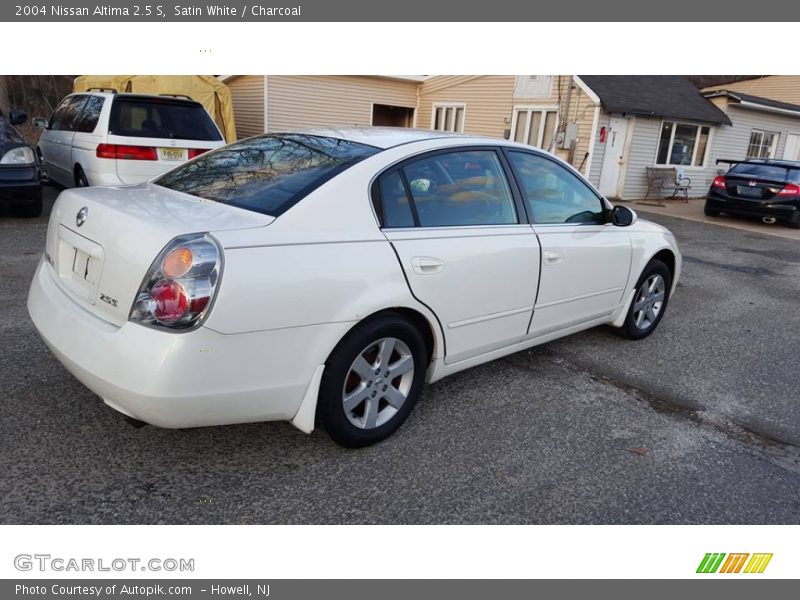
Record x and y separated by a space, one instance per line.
733 564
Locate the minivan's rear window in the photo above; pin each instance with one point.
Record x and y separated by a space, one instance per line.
267 174
766 171
161 118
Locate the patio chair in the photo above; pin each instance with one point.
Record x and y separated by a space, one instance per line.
660 178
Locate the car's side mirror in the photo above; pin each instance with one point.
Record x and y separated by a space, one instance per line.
622 216
17 117
40 122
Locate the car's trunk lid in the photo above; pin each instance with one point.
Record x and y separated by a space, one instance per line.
102 241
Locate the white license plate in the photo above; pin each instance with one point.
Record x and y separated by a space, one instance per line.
173 153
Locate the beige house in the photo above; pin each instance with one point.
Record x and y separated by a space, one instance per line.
273 103
554 112
782 88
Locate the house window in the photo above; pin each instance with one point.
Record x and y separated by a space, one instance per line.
448 117
762 144
683 144
535 126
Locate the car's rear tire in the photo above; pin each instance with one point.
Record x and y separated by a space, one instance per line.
30 210
650 298
372 381
711 213
795 222
81 180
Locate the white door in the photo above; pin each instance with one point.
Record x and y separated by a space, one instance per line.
585 259
453 222
614 157
56 142
792 149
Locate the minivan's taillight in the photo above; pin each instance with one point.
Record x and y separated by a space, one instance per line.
719 182
124 152
790 189
180 284
195 152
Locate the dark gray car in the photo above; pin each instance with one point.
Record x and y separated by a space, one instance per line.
20 180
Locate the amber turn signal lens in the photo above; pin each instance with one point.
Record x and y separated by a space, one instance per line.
177 263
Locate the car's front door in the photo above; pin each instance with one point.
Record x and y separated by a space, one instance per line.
585 259
466 251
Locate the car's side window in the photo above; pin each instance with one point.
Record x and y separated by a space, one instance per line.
66 115
395 205
91 114
553 194
460 188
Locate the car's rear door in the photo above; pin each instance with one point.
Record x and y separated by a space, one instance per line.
585 259
56 142
461 237
157 134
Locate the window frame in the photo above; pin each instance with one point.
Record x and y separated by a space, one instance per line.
545 156
773 149
528 109
455 106
375 189
699 127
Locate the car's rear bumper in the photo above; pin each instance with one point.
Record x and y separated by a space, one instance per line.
783 210
175 380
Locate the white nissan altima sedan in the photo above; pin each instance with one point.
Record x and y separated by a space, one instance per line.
328 274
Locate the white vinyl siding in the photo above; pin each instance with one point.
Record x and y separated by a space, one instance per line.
733 142
642 153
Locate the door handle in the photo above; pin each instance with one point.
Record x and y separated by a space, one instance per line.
426 265
551 257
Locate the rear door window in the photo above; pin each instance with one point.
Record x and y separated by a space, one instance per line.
91 114
267 174
161 118
460 188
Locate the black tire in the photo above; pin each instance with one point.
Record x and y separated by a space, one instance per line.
795 222
80 178
31 210
711 213
337 375
630 329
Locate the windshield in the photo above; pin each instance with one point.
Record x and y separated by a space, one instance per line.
267 174
162 118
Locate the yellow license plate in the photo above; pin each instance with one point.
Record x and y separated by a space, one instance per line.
173 153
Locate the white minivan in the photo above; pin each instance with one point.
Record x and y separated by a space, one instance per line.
105 138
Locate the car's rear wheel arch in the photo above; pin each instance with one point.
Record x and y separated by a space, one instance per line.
79 175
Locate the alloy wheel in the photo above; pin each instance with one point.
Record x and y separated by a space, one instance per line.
378 383
649 302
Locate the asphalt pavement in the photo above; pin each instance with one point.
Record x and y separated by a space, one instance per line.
699 423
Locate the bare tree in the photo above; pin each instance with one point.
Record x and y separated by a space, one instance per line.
5 103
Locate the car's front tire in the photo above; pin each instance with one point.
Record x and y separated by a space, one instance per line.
650 299
372 381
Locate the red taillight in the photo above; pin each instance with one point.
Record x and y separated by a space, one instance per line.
790 190
170 302
178 288
195 152
719 182
123 152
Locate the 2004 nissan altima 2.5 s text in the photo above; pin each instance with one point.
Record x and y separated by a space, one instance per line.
328 274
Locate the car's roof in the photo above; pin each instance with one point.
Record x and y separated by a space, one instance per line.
380 137
130 96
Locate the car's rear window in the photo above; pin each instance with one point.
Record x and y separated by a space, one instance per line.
161 118
267 174
765 171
